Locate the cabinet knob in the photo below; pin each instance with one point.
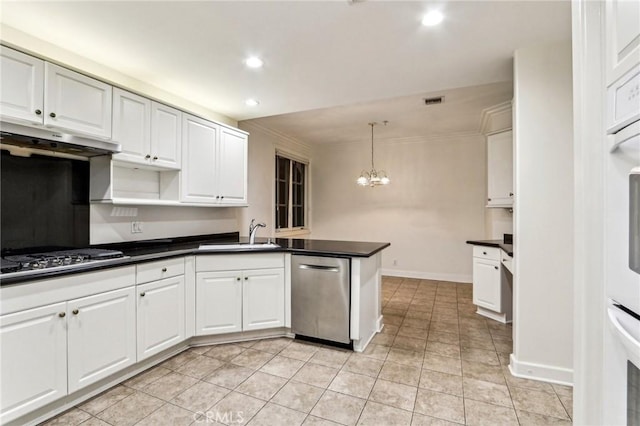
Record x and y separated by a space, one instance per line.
142 294
484 252
52 115
75 312
222 197
246 278
62 314
147 156
488 199
217 197
155 158
511 194
237 278
38 112
164 269
495 267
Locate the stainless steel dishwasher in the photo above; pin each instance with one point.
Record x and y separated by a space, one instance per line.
321 297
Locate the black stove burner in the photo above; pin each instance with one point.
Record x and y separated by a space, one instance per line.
36 261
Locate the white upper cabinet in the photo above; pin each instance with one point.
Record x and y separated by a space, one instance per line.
149 132
21 86
215 159
622 37
76 102
132 126
166 136
232 166
500 169
199 153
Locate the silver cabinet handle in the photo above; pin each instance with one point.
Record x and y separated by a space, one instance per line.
320 268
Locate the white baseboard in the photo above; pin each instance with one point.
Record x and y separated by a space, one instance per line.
458 278
545 373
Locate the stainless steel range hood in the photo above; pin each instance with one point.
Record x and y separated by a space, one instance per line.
25 140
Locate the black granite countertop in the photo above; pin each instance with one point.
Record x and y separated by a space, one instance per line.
144 251
508 248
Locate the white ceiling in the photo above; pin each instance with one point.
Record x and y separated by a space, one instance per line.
317 54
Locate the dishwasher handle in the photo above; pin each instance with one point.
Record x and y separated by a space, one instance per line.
320 268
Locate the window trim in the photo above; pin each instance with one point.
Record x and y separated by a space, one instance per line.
298 230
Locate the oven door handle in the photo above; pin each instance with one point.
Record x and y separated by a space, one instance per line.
627 134
631 344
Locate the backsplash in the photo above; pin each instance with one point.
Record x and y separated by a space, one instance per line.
112 224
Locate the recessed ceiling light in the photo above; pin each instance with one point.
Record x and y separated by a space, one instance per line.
432 18
252 102
254 62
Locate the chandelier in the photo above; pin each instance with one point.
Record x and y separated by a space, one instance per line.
373 177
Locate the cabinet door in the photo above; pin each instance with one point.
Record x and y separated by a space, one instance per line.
166 136
622 34
101 336
199 176
131 126
21 86
263 299
218 302
33 359
486 284
500 169
76 102
160 315
232 166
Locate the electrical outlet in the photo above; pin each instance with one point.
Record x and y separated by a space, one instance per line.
136 227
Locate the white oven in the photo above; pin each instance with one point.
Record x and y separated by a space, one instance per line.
621 398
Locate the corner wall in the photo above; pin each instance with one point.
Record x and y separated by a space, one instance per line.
543 213
435 202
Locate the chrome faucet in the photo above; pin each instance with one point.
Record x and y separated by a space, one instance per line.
253 230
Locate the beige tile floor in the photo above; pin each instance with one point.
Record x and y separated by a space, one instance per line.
435 363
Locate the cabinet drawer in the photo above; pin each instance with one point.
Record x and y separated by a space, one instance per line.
483 252
160 269
226 262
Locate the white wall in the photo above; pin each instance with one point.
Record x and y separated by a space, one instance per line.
543 213
111 224
435 202
263 144
498 223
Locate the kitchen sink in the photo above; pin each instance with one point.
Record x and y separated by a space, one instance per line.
238 246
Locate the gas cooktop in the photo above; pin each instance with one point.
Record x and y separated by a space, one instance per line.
12 265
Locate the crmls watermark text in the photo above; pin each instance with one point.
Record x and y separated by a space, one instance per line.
227 417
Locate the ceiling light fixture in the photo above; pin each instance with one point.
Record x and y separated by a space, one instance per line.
432 18
373 177
252 102
254 62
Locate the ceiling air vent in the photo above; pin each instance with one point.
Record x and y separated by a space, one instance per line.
434 101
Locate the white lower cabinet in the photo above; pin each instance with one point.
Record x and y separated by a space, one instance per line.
486 283
218 302
33 359
263 299
161 318
101 336
492 284
249 297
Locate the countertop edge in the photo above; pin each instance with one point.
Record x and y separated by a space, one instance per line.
508 248
149 257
